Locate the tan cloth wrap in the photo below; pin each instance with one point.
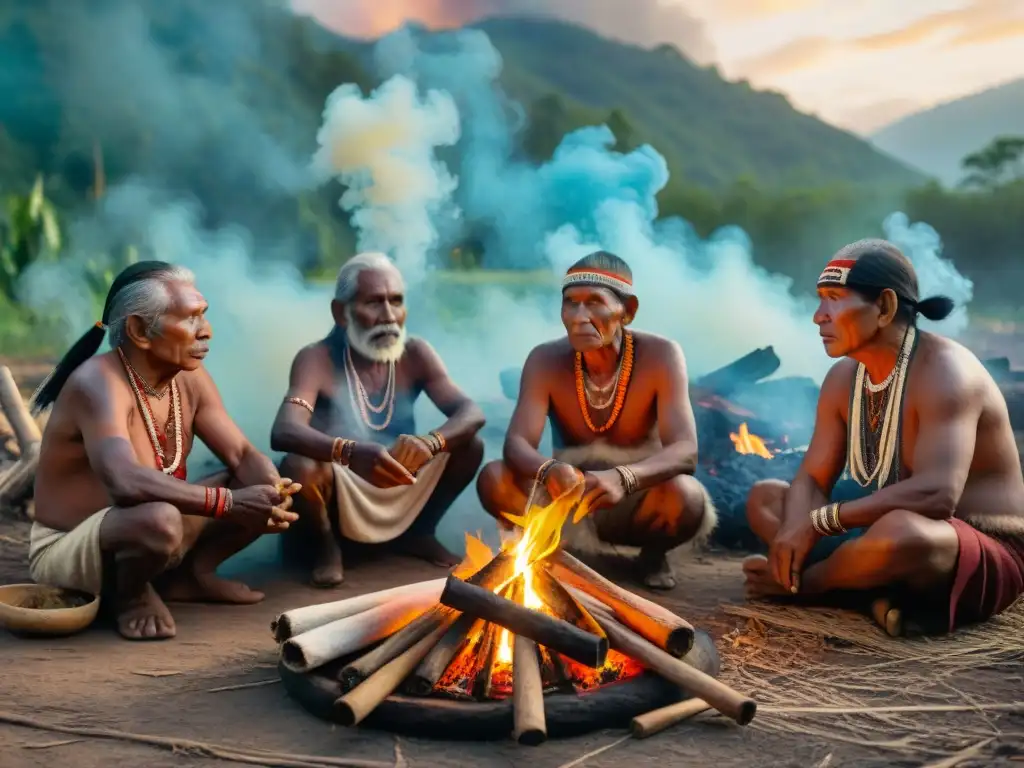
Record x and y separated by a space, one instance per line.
373 515
69 559
616 525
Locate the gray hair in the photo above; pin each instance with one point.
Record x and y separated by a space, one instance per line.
149 299
347 285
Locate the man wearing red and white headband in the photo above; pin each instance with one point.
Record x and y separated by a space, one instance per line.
621 419
934 534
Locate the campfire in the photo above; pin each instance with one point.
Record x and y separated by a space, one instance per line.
527 622
746 442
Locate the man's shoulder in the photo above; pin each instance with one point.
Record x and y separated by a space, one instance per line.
656 343
548 352
950 366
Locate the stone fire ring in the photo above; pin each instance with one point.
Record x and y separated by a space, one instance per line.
567 714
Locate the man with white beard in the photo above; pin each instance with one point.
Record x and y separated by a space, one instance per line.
348 427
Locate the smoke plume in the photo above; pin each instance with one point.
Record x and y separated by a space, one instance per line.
388 148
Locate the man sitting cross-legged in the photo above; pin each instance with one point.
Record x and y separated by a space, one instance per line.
348 426
114 512
620 412
939 532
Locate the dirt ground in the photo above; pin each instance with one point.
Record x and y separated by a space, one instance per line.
168 689
782 658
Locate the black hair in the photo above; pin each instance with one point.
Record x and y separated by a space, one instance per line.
90 341
606 262
880 265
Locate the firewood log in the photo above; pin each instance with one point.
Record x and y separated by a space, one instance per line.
530 726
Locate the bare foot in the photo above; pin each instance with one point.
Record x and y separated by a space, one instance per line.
759 579
426 548
327 569
189 587
657 573
145 617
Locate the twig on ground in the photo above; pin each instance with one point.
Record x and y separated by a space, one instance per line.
48 744
156 672
240 686
965 754
12 540
1017 706
221 752
583 758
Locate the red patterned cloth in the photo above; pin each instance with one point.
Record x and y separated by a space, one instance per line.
989 575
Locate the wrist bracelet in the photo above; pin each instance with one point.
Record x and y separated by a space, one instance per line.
442 444
825 520
542 470
341 451
628 477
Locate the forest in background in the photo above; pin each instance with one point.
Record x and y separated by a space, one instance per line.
799 188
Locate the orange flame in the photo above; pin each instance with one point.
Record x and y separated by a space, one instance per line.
747 442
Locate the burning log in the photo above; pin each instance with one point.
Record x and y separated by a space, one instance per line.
400 642
720 696
658 625
489 653
355 705
657 720
749 369
429 671
339 638
530 727
563 604
558 635
492 576
302 620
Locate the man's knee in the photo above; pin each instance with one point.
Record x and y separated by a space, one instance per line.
315 476
764 507
157 528
490 482
924 547
470 455
683 501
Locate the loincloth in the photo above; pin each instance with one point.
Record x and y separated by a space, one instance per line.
373 515
621 524
69 559
989 574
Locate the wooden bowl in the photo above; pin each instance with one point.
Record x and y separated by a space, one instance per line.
16 617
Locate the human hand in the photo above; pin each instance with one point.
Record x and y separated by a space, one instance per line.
373 463
561 478
603 489
259 507
789 550
411 452
287 489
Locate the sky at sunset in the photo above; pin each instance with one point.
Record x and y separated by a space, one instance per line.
856 63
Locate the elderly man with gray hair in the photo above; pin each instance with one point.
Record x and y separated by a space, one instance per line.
347 423
114 511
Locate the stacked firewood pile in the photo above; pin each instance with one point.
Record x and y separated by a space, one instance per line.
20 455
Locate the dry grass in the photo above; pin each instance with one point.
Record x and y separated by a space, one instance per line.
817 660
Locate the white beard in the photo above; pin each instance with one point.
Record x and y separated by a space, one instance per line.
361 340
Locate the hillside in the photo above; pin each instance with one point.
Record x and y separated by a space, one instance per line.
711 130
936 140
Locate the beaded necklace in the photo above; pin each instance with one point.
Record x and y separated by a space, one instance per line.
139 386
361 400
622 383
871 445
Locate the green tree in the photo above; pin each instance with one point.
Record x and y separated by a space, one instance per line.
1000 161
29 230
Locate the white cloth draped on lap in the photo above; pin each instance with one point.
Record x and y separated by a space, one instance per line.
373 515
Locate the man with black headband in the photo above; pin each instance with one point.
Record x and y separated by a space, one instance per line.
348 425
619 407
115 513
935 533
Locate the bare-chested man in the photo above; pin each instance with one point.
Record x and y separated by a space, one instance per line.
114 513
939 528
620 412
348 426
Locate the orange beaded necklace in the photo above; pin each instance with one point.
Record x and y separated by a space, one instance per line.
620 392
